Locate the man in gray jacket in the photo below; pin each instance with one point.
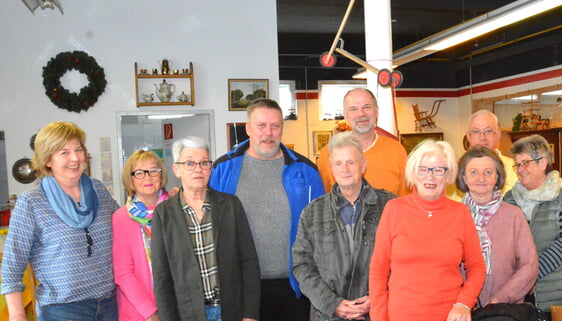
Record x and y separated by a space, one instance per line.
336 235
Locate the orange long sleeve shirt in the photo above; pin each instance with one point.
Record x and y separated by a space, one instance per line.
415 268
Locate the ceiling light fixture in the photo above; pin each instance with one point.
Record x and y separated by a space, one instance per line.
168 116
32 5
501 17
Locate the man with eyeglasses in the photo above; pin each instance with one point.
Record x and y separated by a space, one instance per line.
274 185
484 130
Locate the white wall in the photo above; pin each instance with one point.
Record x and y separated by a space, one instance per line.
224 39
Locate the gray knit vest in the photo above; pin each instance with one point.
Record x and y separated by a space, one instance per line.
545 227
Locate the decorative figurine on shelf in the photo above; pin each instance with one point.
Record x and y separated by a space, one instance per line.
517 123
292 115
148 98
165 67
183 97
341 126
165 91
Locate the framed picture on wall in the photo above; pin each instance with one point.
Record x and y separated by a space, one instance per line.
241 92
235 134
320 139
409 141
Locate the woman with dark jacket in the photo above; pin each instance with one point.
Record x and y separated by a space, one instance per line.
204 261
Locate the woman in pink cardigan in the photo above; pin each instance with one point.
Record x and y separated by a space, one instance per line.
505 237
144 178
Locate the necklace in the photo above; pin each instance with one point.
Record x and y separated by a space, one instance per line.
429 213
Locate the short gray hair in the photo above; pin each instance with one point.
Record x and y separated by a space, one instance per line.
365 90
345 139
189 142
536 146
431 147
483 112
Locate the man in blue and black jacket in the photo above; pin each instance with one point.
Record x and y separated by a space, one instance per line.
274 184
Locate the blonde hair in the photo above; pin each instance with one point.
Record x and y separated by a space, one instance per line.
51 139
140 156
435 148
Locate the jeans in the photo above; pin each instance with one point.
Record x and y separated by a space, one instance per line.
213 313
89 310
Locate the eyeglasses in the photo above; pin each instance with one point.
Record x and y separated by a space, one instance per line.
153 172
191 165
436 171
525 163
488 132
90 242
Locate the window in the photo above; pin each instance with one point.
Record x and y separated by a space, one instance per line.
331 97
287 99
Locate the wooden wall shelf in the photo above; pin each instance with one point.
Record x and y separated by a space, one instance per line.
185 83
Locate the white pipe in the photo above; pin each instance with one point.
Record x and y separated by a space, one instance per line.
378 45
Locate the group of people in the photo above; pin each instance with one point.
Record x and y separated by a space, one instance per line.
262 234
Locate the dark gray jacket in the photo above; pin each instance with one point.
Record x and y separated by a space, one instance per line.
322 261
177 282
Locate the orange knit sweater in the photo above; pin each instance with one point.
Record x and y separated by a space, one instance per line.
415 268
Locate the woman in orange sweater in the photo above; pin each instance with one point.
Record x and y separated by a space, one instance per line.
422 241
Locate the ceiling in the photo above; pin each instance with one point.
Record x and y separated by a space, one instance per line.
306 28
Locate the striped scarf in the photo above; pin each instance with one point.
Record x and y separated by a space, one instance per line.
139 213
482 214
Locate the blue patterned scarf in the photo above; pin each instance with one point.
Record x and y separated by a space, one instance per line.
76 215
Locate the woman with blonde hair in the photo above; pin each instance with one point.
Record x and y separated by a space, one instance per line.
63 229
422 240
144 179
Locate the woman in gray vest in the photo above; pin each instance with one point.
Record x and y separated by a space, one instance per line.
537 193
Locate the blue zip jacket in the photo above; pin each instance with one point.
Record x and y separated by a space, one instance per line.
301 180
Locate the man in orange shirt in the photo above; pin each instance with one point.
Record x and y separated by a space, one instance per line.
386 157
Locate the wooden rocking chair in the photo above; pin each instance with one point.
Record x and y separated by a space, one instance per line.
424 118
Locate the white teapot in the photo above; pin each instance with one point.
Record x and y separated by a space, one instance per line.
165 91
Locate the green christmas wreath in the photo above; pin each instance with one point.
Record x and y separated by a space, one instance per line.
82 62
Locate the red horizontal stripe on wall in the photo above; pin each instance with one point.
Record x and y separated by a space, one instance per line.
427 93
307 95
460 92
481 88
513 82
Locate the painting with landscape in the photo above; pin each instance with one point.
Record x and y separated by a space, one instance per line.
241 92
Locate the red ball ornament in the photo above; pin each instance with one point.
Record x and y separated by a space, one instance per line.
86 103
76 60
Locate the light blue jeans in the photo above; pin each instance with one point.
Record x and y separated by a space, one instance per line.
213 313
89 310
